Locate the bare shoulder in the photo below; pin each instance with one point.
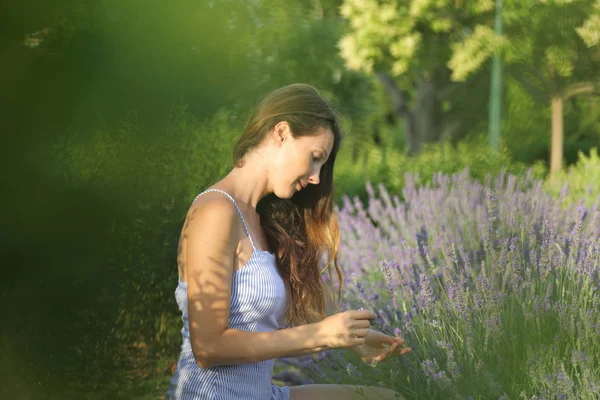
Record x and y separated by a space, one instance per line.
209 233
211 207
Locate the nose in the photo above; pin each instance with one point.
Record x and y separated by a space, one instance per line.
314 179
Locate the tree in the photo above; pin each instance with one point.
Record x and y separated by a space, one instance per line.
550 47
408 45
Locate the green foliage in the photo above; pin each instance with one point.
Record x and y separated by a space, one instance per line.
580 182
550 39
554 41
134 162
109 261
471 54
112 56
526 131
406 37
547 47
389 166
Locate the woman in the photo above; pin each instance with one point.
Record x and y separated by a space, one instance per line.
250 256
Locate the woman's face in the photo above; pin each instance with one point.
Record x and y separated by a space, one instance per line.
298 161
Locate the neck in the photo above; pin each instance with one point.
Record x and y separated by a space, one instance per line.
247 183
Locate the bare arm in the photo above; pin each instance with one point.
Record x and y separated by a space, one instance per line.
342 330
210 249
239 347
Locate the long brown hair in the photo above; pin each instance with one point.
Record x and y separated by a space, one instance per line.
302 231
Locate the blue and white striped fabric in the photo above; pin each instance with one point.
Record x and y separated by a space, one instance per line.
258 305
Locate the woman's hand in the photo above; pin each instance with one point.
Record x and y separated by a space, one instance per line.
378 347
345 329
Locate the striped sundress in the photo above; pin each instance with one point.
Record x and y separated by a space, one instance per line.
258 305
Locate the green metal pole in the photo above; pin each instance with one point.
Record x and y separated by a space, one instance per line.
495 119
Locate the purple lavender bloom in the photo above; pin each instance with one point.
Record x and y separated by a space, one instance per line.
430 367
456 255
422 241
458 301
388 277
579 357
426 295
443 381
408 321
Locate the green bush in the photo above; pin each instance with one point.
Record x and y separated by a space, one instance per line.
580 182
389 166
142 182
172 161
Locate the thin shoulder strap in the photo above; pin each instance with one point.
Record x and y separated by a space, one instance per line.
236 207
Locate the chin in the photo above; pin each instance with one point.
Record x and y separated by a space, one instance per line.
285 195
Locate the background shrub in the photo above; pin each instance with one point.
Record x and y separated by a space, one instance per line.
580 181
388 165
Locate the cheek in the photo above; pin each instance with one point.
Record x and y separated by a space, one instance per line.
293 163
280 170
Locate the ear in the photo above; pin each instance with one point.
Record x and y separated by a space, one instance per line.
281 131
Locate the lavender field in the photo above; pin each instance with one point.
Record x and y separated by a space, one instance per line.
494 286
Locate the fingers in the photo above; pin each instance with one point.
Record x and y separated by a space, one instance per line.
392 349
361 323
362 314
355 341
383 356
389 340
398 349
402 351
362 333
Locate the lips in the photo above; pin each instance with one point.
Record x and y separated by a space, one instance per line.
299 185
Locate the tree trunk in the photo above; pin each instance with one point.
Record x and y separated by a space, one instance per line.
400 103
425 111
425 122
556 145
